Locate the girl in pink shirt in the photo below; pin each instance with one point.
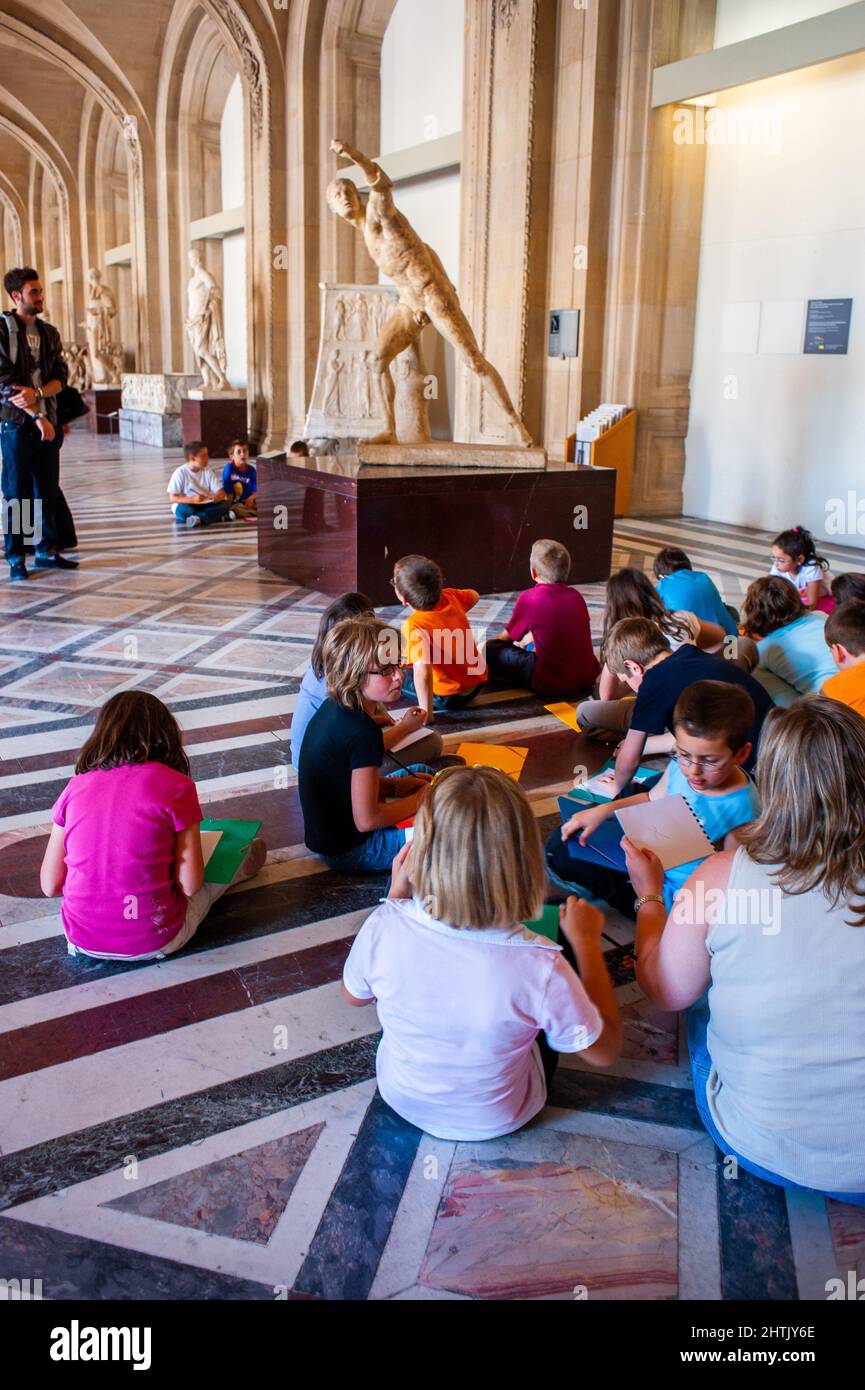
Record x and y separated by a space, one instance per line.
463 988
125 847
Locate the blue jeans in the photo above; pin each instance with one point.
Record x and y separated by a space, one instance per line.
31 470
697 1021
210 512
441 702
379 848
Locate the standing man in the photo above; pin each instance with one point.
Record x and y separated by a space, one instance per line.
32 372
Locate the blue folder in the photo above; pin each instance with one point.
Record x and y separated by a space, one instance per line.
603 845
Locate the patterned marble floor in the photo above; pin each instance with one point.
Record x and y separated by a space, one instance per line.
208 1127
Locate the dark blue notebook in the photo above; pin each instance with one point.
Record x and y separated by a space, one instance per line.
603 846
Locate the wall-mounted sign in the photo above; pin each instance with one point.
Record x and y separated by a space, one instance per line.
564 338
827 327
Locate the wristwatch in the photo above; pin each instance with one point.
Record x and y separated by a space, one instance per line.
648 898
40 394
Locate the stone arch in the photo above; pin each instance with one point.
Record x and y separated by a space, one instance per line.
43 166
12 242
252 51
114 94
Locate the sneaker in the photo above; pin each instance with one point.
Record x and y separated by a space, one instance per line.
193 521
53 562
18 571
232 516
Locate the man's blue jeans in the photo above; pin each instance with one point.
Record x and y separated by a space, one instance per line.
697 1022
31 472
380 847
210 512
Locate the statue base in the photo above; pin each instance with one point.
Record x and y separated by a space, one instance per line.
104 403
334 524
198 393
214 417
443 453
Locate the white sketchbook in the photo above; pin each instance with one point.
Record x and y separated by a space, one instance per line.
409 739
669 827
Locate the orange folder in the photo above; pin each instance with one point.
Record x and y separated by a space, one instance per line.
507 759
567 713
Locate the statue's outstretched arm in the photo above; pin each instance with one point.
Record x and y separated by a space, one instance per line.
376 177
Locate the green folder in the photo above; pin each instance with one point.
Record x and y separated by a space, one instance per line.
547 924
237 836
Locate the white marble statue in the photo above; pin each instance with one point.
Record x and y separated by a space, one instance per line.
426 295
203 325
101 309
79 367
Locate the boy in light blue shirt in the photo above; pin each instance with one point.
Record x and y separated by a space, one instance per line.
682 587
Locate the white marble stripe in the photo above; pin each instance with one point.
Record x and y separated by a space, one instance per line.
88 994
756 543
813 1249
242 712
94 1090
218 745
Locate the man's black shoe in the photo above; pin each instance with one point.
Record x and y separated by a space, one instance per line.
18 571
54 562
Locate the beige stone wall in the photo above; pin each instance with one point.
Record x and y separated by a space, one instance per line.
573 191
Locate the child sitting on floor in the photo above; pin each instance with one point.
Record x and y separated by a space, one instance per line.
447 668
351 813
638 653
790 638
848 585
313 691
845 635
682 587
239 480
460 1015
196 496
712 724
794 556
555 619
631 594
125 847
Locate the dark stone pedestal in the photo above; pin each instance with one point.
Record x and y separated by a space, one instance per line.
215 421
337 524
103 404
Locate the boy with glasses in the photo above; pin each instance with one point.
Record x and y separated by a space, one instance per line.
712 723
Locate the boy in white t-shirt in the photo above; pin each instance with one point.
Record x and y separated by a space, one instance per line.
197 498
463 988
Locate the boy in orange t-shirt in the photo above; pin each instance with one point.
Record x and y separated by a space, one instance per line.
845 636
447 670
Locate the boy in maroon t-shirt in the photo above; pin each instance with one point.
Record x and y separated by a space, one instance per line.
555 619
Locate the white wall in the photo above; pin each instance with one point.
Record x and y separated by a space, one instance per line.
744 19
772 435
421 99
421 73
232 151
232 161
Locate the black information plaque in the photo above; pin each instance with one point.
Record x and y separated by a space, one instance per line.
827 327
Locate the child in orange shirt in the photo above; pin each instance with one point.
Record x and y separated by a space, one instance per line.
845 636
447 670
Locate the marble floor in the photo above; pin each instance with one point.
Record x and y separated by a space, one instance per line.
208 1127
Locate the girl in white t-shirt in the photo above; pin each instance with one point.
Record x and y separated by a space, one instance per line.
463 988
794 556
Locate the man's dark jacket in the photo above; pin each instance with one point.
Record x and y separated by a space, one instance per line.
51 361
